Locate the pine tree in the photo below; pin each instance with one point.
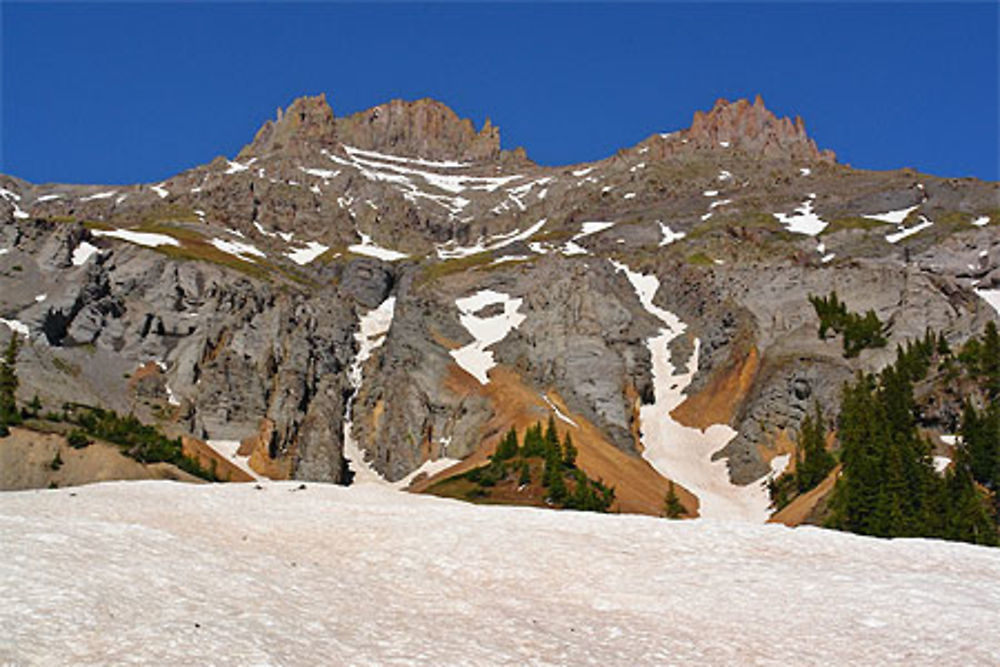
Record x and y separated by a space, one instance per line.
672 507
569 451
9 415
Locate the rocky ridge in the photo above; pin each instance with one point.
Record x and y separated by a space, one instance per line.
245 279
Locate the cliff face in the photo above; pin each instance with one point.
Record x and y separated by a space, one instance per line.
396 284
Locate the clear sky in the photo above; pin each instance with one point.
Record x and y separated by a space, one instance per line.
118 93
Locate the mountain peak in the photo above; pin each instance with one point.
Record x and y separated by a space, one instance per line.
753 128
423 128
307 120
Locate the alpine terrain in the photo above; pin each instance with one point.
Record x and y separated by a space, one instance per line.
720 322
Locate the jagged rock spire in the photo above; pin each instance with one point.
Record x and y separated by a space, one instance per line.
752 128
308 123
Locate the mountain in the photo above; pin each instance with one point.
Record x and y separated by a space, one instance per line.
384 295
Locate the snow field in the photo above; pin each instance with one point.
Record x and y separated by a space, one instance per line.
244 251
474 358
231 575
304 256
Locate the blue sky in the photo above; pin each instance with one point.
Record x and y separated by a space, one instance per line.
115 93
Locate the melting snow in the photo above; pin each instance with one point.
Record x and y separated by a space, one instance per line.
725 175
450 251
228 449
669 236
228 574
679 452
305 255
559 413
366 247
724 144
905 232
160 190
148 239
16 326
41 297
236 167
45 198
373 327
628 195
325 174
588 228
237 248
474 357
100 195
805 171
83 252
981 221
710 193
893 217
941 464
583 172
990 296
14 198
803 220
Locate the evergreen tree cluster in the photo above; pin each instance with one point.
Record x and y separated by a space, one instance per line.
859 331
813 462
888 486
9 416
566 485
139 441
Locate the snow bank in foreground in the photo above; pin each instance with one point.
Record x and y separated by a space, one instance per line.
681 453
474 357
232 575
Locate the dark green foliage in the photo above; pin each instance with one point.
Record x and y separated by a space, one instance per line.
507 449
859 331
888 486
981 439
565 485
812 462
9 415
57 462
137 440
77 439
525 477
672 507
569 451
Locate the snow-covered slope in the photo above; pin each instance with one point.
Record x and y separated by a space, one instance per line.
165 573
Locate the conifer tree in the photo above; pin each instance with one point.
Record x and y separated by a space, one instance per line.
569 451
9 415
672 507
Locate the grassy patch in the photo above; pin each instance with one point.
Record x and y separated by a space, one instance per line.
700 259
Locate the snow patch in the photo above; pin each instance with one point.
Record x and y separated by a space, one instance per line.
237 248
669 236
981 221
82 252
148 239
474 357
100 195
803 220
160 190
15 326
228 449
893 217
373 327
305 255
990 296
904 232
14 198
366 247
